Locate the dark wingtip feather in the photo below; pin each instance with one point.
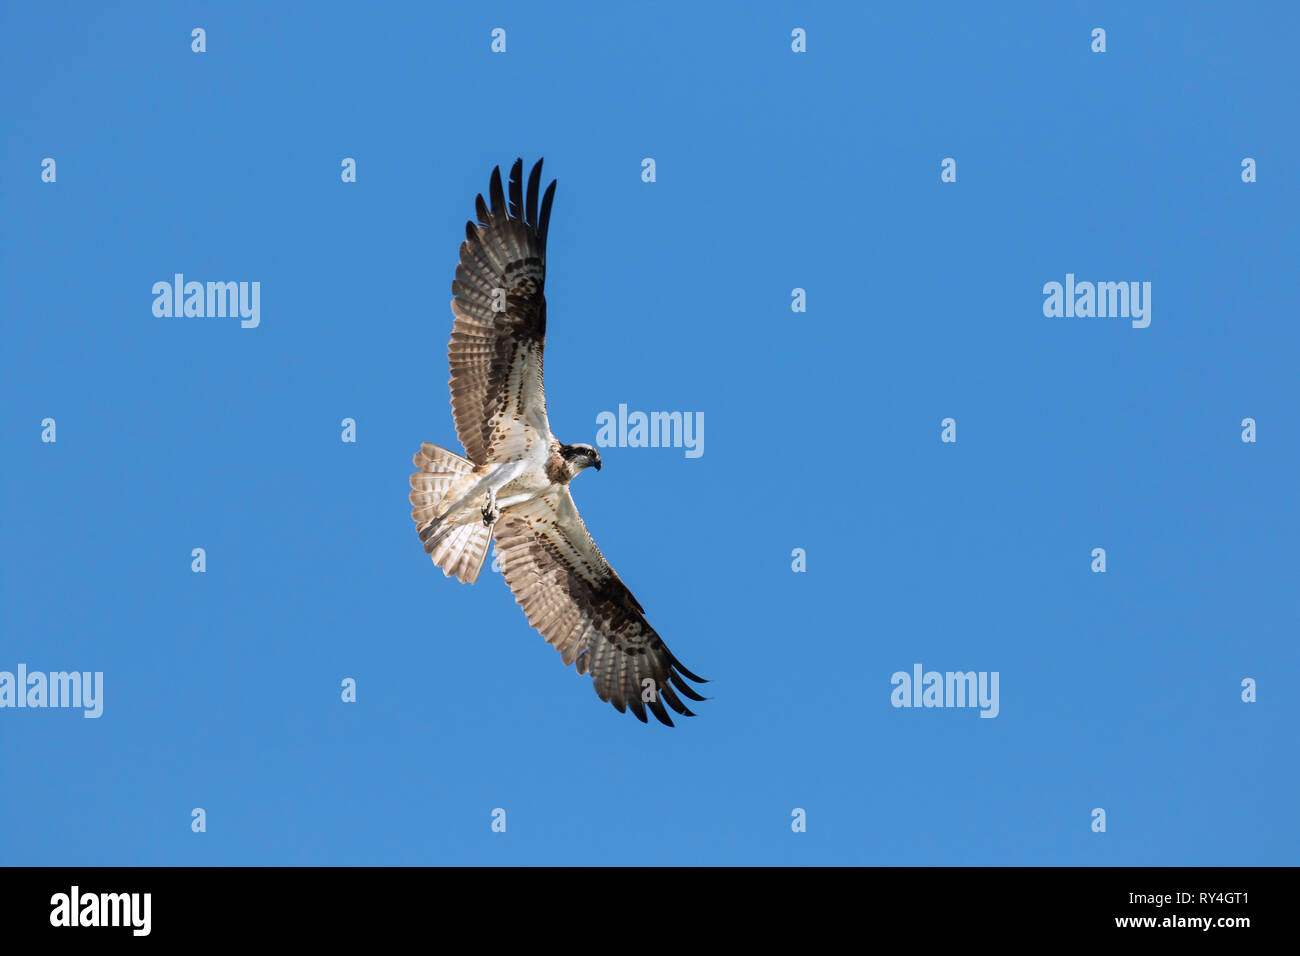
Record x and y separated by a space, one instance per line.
667 694
517 189
481 210
657 708
544 218
497 193
684 687
637 706
534 181
685 673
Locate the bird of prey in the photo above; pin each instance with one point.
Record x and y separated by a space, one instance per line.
512 485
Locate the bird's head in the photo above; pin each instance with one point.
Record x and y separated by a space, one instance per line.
579 457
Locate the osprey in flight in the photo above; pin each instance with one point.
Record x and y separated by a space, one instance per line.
513 484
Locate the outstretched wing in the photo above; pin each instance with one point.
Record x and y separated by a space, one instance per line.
497 339
573 597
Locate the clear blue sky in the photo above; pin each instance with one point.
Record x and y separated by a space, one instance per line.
775 170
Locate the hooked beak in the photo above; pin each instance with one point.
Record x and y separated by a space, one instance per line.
597 464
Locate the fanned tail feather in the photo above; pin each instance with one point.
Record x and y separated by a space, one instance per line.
459 549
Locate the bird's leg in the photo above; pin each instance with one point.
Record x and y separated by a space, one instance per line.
490 512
